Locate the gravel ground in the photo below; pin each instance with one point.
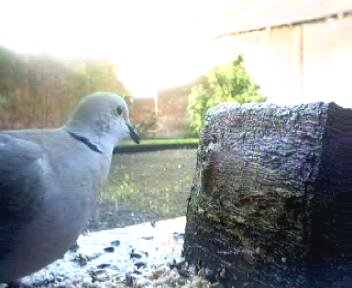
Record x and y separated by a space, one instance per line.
144 255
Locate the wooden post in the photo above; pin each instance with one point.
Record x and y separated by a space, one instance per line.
271 202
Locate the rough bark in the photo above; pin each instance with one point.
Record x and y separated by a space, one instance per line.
271 202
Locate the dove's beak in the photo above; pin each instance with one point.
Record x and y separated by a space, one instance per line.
135 137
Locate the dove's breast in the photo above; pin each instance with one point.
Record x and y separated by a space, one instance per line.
71 179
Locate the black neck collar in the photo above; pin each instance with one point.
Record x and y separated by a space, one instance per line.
85 141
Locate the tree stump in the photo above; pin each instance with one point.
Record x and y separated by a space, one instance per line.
271 201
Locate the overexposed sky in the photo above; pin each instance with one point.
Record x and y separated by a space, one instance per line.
157 43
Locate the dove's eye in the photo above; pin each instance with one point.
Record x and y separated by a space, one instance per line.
119 110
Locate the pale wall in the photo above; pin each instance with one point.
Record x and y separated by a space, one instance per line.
305 63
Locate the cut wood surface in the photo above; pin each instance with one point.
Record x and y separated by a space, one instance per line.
271 201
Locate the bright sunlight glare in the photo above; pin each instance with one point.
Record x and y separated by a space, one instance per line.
156 44
159 44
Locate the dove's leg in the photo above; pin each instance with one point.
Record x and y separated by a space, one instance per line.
18 284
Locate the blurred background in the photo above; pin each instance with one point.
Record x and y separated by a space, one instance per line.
171 61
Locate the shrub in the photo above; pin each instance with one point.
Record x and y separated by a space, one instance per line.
229 83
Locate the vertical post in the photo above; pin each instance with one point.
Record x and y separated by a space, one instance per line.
301 61
156 104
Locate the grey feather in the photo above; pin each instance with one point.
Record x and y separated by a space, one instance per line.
50 181
20 173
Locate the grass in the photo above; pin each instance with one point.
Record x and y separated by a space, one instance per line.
161 141
148 185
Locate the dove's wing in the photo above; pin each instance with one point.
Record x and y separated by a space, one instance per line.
21 182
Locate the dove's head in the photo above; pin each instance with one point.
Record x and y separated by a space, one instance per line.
102 118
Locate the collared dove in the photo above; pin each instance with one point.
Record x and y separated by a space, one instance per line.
50 180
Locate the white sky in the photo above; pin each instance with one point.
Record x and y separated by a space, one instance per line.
157 43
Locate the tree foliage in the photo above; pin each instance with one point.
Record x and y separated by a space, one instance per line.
229 83
41 91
